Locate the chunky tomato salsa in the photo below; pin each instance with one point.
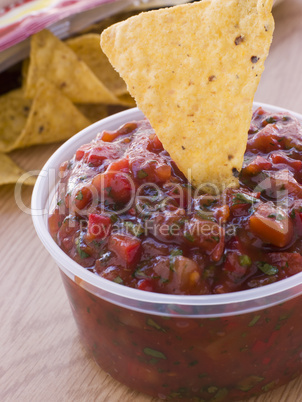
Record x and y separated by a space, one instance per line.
125 212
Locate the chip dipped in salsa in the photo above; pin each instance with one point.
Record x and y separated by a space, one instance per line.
125 212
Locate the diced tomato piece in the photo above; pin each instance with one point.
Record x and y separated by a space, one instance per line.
271 225
163 172
145 284
257 165
63 167
127 247
66 233
118 186
283 181
82 197
96 156
178 275
121 165
81 151
109 136
156 143
265 140
288 263
279 157
222 213
99 226
54 221
208 235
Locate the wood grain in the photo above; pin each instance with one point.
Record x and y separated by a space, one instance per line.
41 356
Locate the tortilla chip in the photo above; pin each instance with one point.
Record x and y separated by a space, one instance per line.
52 118
87 48
10 172
193 70
54 60
126 100
93 112
24 71
14 111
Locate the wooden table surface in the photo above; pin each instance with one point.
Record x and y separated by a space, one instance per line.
41 355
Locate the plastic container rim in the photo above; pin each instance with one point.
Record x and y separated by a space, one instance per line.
261 296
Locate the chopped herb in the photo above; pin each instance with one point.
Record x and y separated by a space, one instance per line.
108 190
193 363
245 260
268 387
189 237
176 252
280 217
271 216
83 178
254 320
113 218
135 229
79 196
97 243
271 120
212 390
153 324
242 198
205 215
60 202
220 395
118 279
141 174
267 268
249 383
281 139
81 252
293 214
154 353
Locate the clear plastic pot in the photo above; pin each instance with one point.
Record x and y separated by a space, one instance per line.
215 347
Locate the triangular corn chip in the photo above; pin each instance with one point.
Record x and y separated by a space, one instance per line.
14 111
193 70
54 60
10 172
93 111
87 48
52 117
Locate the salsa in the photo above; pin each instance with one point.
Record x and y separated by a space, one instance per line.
125 212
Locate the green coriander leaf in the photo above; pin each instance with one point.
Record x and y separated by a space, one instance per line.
141 174
79 196
267 268
154 353
244 260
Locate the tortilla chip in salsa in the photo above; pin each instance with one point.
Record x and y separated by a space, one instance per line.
193 70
